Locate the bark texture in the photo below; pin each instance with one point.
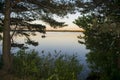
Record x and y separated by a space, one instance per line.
6 37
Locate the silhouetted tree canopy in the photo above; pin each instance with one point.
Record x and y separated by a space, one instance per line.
101 15
101 22
23 11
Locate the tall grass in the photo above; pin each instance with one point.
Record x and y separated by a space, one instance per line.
31 66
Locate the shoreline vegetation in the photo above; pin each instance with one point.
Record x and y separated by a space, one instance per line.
29 65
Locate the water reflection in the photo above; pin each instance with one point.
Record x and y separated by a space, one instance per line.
104 55
67 42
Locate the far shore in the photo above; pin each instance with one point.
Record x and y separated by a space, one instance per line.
64 30
54 30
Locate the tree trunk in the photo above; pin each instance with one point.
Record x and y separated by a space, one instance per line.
6 37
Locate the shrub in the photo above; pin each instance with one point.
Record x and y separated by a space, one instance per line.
31 66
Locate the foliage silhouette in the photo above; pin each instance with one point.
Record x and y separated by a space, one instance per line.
28 65
102 38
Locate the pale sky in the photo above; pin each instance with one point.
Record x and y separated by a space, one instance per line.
68 20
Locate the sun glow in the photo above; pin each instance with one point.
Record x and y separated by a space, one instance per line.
68 20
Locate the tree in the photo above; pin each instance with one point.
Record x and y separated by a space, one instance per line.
102 36
21 12
101 17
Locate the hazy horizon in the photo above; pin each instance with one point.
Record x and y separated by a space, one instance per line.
68 20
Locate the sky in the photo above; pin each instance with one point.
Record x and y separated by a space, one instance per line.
68 20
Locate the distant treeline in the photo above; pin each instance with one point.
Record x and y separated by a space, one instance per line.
64 30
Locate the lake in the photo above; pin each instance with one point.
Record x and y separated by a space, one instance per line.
66 42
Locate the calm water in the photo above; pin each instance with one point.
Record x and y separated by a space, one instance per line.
66 42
